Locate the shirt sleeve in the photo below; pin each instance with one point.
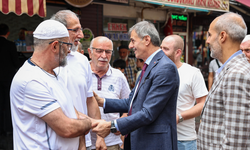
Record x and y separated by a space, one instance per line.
89 81
198 85
125 88
38 99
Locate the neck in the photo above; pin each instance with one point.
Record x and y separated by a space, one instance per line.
228 51
100 71
151 49
178 64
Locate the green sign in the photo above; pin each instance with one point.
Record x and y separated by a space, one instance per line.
179 17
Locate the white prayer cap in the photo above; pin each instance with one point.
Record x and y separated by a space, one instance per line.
247 38
50 29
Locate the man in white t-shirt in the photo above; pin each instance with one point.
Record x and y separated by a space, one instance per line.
214 65
192 89
77 74
108 82
43 114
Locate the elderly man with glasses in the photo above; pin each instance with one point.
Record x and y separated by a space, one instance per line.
107 82
77 74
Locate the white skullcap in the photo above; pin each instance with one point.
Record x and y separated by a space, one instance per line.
247 37
50 29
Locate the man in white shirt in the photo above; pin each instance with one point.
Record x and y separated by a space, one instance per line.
77 74
108 82
192 89
43 114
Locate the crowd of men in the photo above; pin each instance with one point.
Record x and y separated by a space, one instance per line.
61 100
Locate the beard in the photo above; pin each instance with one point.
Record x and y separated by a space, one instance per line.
62 58
125 59
74 48
216 50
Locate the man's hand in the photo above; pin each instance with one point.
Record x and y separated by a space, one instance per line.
100 143
102 129
99 100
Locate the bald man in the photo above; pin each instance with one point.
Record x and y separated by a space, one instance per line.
245 47
192 89
226 113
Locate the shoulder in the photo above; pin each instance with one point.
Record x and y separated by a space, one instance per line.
116 72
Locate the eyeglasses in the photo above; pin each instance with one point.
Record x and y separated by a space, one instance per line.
69 45
100 51
77 31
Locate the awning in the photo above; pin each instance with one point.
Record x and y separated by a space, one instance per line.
30 7
245 2
200 5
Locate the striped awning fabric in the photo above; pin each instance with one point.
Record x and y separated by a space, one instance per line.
30 7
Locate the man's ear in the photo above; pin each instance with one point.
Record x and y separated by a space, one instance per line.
54 46
89 50
147 40
223 36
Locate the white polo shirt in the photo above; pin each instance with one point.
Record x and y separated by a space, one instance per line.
78 78
34 94
112 85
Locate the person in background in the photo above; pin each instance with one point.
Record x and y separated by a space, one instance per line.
9 65
119 64
77 74
139 64
108 83
151 106
192 90
225 115
79 48
130 69
245 47
20 42
214 65
43 114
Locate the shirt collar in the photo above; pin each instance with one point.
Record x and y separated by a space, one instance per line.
108 73
234 55
151 57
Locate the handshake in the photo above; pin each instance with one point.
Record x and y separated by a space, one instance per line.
99 126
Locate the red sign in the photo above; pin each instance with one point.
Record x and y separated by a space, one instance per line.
117 26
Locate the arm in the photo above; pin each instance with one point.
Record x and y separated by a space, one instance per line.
210 80
236 112
66 127
194 111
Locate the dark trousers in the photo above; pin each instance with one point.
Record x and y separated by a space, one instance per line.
127 143
5 111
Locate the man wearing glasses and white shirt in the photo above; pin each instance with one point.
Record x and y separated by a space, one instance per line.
77 74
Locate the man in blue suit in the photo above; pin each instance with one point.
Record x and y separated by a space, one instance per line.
151 106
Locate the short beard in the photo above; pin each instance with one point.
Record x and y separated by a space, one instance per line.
125 59
74 48
63 63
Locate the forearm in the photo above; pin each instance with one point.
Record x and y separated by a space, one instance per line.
193 112
210 80
82 144
93 109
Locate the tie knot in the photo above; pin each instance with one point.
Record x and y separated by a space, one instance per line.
144 67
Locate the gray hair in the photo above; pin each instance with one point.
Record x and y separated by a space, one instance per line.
145 28
41 43
247 38
233 24
104 37
63 15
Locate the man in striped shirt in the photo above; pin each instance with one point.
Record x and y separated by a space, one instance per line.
108 82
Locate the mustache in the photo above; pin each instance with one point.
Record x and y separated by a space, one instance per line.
103 59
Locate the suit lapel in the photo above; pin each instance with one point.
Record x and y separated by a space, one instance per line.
151 65
215 85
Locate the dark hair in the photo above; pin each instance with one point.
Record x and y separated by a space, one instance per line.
4 29
123 47
119 63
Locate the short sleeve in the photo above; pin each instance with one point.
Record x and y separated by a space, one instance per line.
125 88
198 85
38 100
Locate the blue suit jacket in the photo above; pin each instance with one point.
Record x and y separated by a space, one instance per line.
152 125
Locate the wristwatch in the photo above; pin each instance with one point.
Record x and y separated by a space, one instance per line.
180 118
113 128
